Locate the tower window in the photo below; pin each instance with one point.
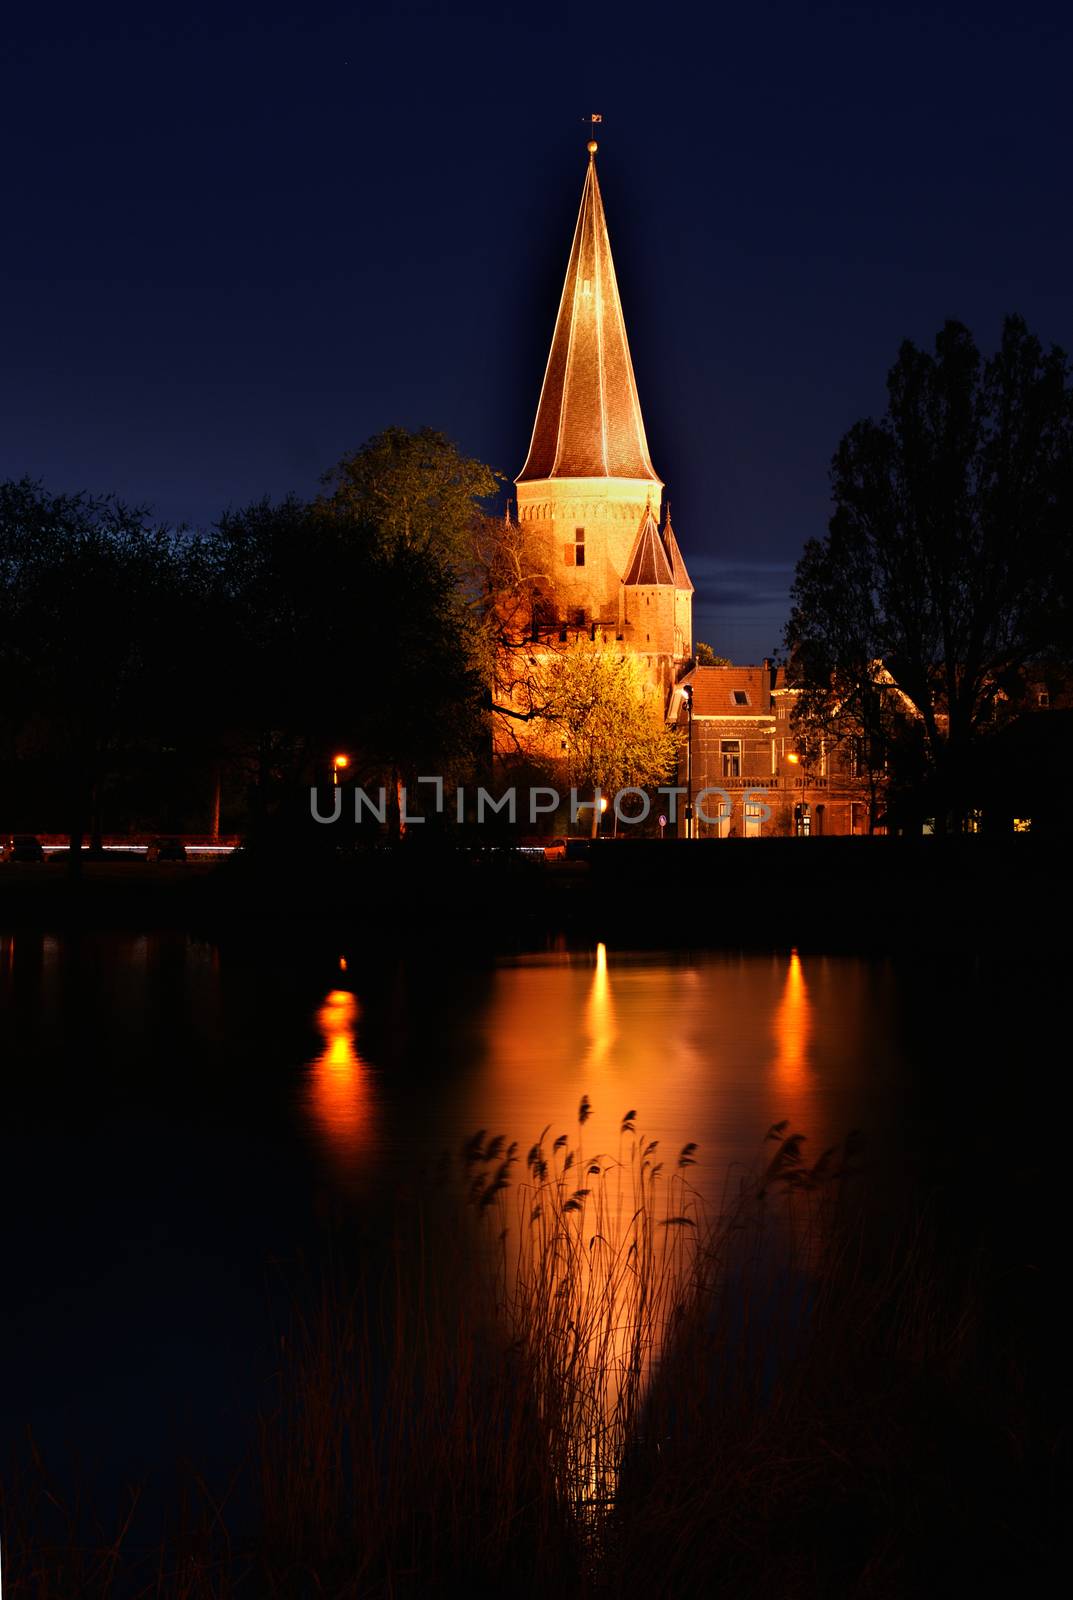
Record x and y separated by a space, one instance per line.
579 547
579 617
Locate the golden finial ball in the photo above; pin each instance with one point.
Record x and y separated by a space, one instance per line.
593 147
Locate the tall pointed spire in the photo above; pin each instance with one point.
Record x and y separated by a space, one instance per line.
588 422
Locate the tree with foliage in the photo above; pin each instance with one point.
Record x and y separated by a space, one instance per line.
609 718
947 563
506 579
706 656
412 491
331 639
94 638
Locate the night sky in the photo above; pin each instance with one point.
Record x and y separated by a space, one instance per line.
239 240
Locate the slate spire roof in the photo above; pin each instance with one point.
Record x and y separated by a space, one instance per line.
648 564
588 421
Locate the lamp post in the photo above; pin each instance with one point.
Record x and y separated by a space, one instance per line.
802 821
687 690
338 763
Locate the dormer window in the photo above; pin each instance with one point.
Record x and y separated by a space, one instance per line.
739 697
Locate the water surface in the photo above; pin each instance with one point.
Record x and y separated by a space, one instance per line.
184 1121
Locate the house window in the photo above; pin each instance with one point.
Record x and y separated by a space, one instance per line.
1043 699
740 697
579 617
730 757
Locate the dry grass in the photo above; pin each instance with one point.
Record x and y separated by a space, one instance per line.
567 1373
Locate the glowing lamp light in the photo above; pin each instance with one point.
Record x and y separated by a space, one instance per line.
338 763
603 802
793 758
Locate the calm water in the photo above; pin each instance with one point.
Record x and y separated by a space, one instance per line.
182 1123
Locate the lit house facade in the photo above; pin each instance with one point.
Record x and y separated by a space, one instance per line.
744 766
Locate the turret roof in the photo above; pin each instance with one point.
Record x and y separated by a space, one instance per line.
682 580
648 564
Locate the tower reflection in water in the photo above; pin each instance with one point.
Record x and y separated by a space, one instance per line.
339 1095
793 1029
600 1016
712 1050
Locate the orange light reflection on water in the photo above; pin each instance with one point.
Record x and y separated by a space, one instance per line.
600 1015
793 1029
791 1074
339 1100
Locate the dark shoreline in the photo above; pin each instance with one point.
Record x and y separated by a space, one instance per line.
886 896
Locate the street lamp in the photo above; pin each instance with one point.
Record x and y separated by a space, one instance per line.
687 690
338 763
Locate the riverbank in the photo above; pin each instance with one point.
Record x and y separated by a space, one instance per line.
882 895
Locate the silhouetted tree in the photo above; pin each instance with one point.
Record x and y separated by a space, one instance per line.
948 558
331 639
95 629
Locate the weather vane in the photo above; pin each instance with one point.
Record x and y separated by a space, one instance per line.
592 119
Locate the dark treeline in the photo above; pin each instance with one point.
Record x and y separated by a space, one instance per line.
202 681
160 680
937 609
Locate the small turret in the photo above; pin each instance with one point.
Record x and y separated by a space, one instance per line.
648 564
683 593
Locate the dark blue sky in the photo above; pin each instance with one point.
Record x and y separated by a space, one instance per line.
240 240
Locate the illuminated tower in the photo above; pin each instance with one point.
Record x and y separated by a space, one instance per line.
588 491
